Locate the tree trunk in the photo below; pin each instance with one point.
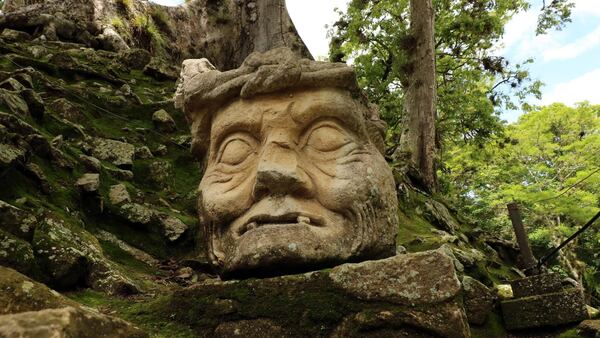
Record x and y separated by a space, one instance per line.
418 141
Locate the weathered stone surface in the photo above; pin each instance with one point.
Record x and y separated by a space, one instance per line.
14 35
66 110
536 285
294 196
328 303
419 278
88 183
18 293
589 329
136 213
478 300
163 122
118 194
35 103
119 153
14 102
91 163
438 214
135 58
143 152
66 322
551 309
11 155
18 222
160 173
172 227
17 254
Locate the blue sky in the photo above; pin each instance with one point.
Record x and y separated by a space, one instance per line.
567 61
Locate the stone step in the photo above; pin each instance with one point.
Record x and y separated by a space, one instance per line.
552 309
536 285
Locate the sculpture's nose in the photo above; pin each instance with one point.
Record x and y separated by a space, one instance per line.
279 173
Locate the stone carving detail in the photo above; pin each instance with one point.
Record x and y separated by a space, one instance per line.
295 178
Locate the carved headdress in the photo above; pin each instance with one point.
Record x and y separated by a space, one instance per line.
202 89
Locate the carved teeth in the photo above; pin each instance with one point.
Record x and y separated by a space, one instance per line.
303 219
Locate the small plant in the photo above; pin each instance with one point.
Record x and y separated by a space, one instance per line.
161 18
147 33
126 5
118 24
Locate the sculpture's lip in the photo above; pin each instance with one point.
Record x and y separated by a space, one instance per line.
288 218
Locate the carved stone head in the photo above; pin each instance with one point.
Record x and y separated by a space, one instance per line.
294 173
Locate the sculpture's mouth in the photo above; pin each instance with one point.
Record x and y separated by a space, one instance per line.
290 218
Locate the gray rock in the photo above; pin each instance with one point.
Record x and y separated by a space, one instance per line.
91 163
66 110
66 322
172 227
10 155
20 294
589 329
135 58
438 215
160 173
163 122
478 299
161 150
18 222
136 213
14 35
14 102
143 152
35 103
17 254
12 85
88 183
37 174
118 194
119 153
111 40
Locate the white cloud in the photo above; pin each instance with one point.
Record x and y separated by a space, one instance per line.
310 18
574 49
586 8
584 87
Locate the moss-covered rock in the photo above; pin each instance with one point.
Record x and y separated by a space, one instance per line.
19 293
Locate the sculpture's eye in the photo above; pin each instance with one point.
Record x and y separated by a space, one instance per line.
235 150
327 137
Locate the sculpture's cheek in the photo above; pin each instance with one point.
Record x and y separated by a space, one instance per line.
228 197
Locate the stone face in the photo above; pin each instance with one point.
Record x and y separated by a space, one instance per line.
13 35
66 322
478 299
352 300
135 58
17 254
295 178
119 153
173 227
550 309
163 121
18 222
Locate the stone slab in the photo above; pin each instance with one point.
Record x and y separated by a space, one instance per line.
415 295
536 285
552 309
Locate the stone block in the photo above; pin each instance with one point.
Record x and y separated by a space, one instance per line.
551 309
415 295
536 285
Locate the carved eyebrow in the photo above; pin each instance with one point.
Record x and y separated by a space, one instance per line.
346 113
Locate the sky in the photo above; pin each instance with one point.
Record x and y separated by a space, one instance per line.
567 61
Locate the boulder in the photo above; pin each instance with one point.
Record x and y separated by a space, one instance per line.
66 322
19 223
478 300
10 155
161 71
66 110
88 183
589 329
163 122
136 213
135 58
118 194
119 153
12 85
143 152
19 294
438 214
17 254
14 35
172 227
412 295
160 173
14 102
36 173
91 163
35 103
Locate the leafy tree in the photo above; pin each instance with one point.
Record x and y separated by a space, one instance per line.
548 162
473 83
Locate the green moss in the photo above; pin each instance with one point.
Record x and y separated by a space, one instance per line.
572 333
118 255
492 328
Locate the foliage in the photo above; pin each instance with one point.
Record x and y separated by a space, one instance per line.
474 84
118 23
126 5
548 162
147 33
